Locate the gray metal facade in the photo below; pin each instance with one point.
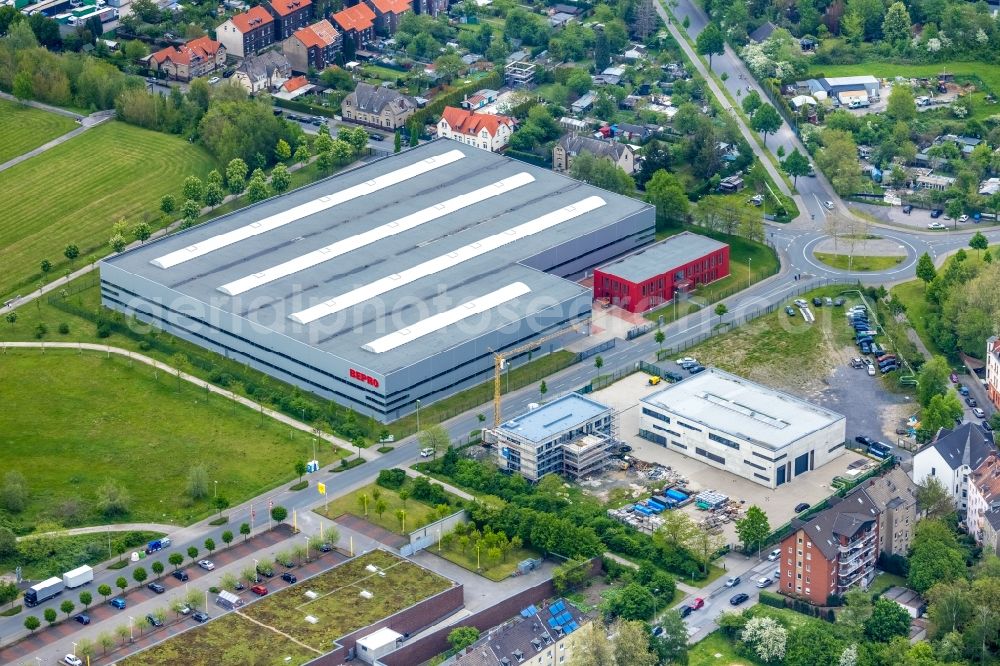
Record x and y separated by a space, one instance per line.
331 356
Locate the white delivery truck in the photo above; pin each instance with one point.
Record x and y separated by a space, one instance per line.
77 577
44 591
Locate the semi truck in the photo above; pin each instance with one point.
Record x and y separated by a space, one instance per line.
157 544
43 591
77 577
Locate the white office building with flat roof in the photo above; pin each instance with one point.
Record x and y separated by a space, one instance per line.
734 424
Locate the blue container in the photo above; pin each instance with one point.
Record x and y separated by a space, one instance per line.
655 508
676 495
639 508
656 504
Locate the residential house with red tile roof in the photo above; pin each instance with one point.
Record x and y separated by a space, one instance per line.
196 58
388 14
378 106
312 47
482 130
357 24
267 71
247 33
289 16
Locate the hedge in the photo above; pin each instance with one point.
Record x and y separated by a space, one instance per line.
302 106
772 599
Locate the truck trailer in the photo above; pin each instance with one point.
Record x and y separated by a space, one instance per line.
77 577
43 591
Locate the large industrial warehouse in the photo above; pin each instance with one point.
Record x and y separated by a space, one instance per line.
761 434
390 285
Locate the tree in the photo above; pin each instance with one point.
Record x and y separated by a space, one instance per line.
245 531
838 160
631 644
31 623
167 204
141 232
67 607
86 599
227 538
598 363
659 337
665 192
593 648
397 142
896 26
104 590
279 513
751 102
113 500
236 175
214 195
14 493
45 265
941 412
193 189
933 499
210 545
900 105
543 389
280 178
11 318
766 638
71 252
380 507
632 602
50 615
602 51
356 137
795 165
935 556
765 120
462 637
8 542
925 268
139 575
117 242
121 583
257 189
710 42
812 644
721 311
197 482
570 575
436 438
175 559
932 380
157 568
23 87
978 242
753 528
192 552
190 211
282 150
676 532
888 620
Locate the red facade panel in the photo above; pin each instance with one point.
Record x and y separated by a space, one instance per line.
658 289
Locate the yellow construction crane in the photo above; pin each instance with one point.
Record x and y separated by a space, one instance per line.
500 359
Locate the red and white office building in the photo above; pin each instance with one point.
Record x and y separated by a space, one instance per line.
652 276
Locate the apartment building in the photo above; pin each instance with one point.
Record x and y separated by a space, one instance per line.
993 370
952 457
983 515
247 33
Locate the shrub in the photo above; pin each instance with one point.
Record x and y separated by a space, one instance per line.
64 328
772 599
392 479
41 330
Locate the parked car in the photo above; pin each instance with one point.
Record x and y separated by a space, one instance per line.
183 609
72 660
118 603
259 590
980 414
936 225
776 575
964 390
790 311
774 555
889 368
986 425
698 603
738 599
180 575
839 302
153 620
325 548
733 581
201 616
375 137
864 441
801 506
156 587
871 370
954 378
971 402
212 81
657 630
857 363
866 347
828 205
207 565
267 572
817 301
936 213
801 303
685 611
696 369
426 453
827 301
686 359
82 618
963 218
907 209
765 581
289 578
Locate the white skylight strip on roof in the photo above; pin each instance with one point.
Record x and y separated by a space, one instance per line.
453 258
304 210
441 320
358 241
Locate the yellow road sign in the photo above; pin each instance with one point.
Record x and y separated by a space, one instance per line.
321 487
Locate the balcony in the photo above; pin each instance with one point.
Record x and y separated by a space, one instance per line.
858 543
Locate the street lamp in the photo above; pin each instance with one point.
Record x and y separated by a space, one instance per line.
749 259
131 636
216 490
307 547
74 648
418 415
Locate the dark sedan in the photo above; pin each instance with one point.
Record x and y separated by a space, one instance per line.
737 599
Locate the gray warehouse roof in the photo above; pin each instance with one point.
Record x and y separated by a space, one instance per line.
662 257
568 411
730 404
425 245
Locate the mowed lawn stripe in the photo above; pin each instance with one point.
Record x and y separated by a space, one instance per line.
75 192
24 128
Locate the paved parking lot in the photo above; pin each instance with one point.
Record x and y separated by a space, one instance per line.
778 504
